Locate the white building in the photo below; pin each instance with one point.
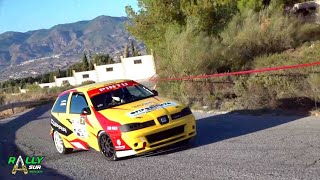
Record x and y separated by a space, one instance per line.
139 67
60 81
136 68
110 71
84 76
47 85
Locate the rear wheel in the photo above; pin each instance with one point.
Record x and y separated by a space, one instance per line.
107 147
59 144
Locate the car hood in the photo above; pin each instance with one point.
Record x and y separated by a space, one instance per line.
143 110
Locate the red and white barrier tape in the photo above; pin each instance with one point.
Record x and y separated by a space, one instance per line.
236 73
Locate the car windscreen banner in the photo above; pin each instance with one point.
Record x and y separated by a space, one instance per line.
110 87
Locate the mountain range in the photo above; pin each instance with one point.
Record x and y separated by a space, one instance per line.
40 51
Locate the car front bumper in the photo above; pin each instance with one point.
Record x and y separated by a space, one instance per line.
158 136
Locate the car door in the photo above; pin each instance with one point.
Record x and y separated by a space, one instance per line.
59 116
77 103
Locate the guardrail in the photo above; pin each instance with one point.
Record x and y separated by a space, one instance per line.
21 104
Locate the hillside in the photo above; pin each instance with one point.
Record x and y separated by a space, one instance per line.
39 51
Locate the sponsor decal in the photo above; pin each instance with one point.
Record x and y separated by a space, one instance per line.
57 126
150 108
119 147
113 86
118 142
110 87
29 165
112 128
63 103
143 104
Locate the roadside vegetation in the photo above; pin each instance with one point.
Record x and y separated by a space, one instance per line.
206 37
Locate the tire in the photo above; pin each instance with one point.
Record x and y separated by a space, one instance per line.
106 147
58 142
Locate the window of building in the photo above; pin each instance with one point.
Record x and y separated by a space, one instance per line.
78 102
85 76
61 104
137 61
109 69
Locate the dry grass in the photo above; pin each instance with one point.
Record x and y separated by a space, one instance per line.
8 113
315 112
35 93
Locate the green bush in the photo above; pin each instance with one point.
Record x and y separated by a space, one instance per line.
256 34
307 53
87 82
198 93
314 82
265 91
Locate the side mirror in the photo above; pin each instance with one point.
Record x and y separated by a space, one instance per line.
155 92
86 111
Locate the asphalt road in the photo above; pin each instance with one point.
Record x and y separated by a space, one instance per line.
228 146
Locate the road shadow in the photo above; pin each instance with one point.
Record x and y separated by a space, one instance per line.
219 127
9 148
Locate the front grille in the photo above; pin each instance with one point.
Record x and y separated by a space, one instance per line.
159 144
165 134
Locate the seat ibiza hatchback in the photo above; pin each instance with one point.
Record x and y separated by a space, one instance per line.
118 118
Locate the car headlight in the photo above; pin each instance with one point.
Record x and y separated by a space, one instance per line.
184 112
136 126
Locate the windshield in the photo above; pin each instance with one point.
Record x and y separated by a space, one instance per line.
120 96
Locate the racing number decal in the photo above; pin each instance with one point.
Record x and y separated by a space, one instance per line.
79 127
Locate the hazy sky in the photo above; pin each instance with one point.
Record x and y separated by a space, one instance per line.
25 15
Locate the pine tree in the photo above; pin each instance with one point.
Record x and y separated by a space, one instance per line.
91 66
59 73
69 72
132 48
85 63
51 77
126 51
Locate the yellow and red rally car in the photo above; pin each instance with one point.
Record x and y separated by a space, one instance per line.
118 118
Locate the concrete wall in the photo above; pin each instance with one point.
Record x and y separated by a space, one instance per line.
47 85
109 72
59 81
135 68
139 67
85 76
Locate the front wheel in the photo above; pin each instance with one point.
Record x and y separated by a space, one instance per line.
59 144
107 147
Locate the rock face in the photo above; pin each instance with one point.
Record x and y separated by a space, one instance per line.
310 10
65 42
310 5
